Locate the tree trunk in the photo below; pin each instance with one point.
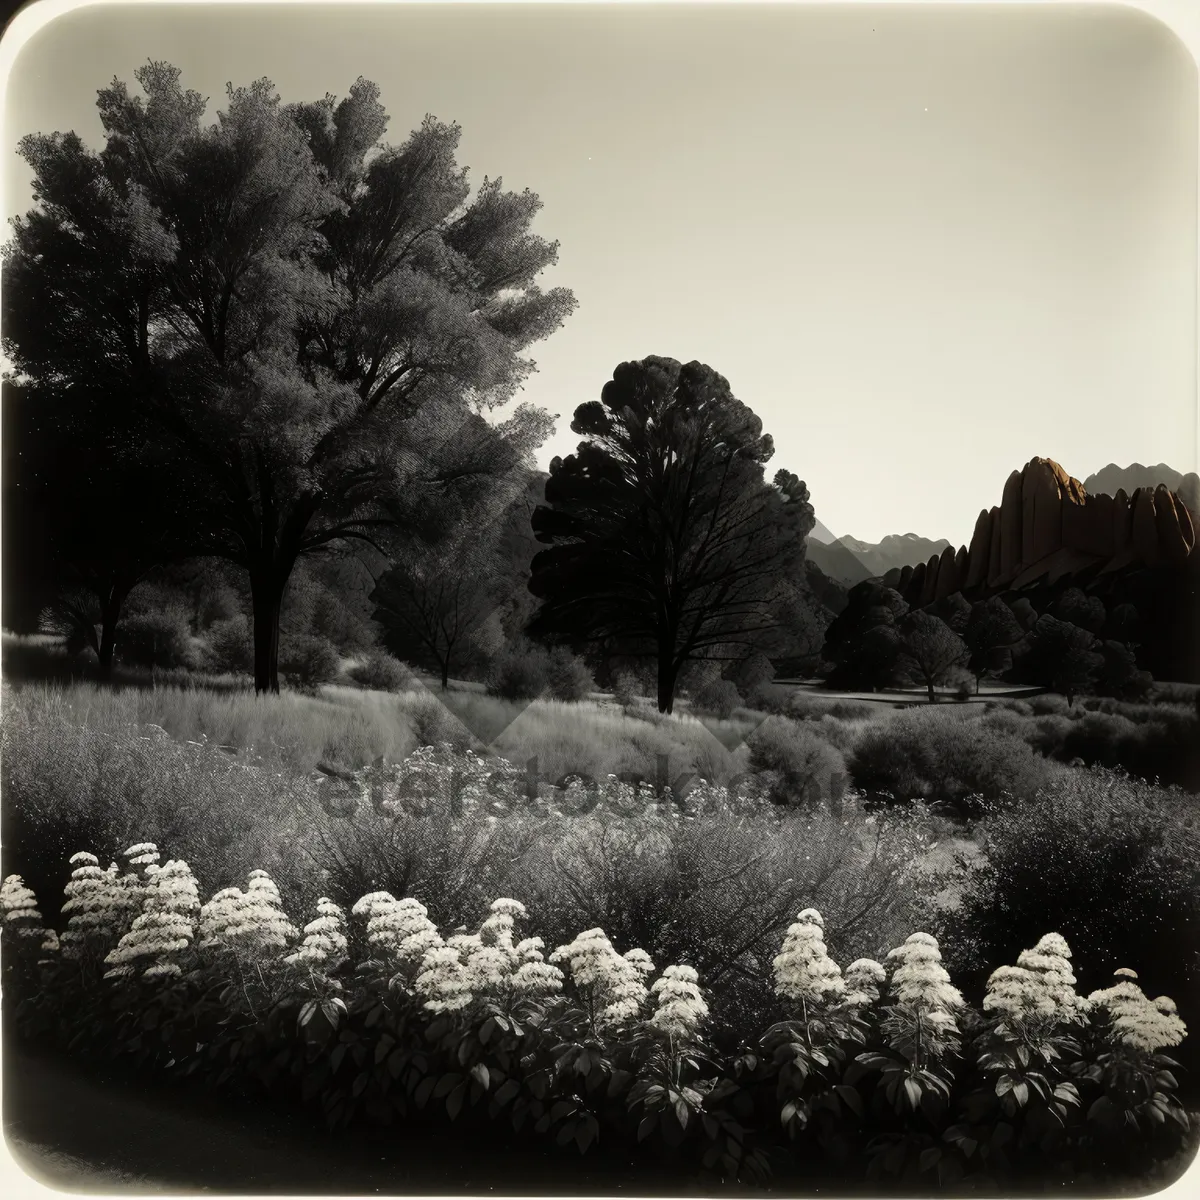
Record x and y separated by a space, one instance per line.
929 685
445 674
110 616
667 672
266 589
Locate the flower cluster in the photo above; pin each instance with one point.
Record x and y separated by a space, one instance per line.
612 985
400 931
804 972
919 981
164 928
680 1007
1039 991
18 907
251 924
99 904
1135 1021
864 980
325 944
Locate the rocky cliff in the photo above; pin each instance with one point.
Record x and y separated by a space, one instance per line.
1048 528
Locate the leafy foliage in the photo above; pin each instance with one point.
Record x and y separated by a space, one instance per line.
376 1014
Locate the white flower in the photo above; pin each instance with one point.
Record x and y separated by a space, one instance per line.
1136 1021
919 981
165 926
18 906
804 972
325 944
681 1008
864 979
614 985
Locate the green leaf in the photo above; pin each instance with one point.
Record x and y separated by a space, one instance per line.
912 1090
646 1126
929 1157
454 1101
506 1091
479 1072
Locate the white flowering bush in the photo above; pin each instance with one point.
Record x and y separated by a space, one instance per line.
378 1013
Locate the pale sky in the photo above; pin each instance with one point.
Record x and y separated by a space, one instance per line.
923 245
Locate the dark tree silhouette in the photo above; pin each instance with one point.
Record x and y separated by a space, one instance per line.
310 324
930 649
431 606
664 540
863 642
991 632
1063 657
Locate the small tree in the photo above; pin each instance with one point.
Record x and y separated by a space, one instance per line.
433 603
931 649
990 633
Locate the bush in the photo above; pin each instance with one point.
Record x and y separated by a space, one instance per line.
1111 863
381 672
944 759
484 1028
68 786
230 647
719 697
569 677
306 662
155 639
627 689
802 767
750 672
519 673
770 698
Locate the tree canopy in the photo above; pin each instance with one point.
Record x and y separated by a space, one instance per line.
310 325
663 538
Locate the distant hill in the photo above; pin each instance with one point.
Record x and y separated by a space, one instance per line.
850 561
1110 479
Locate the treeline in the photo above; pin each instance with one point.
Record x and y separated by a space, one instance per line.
1075 645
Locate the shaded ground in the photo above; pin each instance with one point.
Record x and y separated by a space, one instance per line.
101 1132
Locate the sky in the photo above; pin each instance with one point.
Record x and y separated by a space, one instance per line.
924 245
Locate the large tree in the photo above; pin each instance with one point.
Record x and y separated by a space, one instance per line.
312 325
663 538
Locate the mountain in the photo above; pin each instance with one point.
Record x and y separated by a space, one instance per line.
820 533
1113 479
1048 527
1049 533
850 561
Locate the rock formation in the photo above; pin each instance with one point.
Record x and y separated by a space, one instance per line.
1048 528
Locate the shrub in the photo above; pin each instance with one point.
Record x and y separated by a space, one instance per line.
306 662
944 759
627 689
155 639
770 698
1049 705
877 1065
719 697
568 677
1111 863
230 647
750 672
803 768
519 673
381 672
